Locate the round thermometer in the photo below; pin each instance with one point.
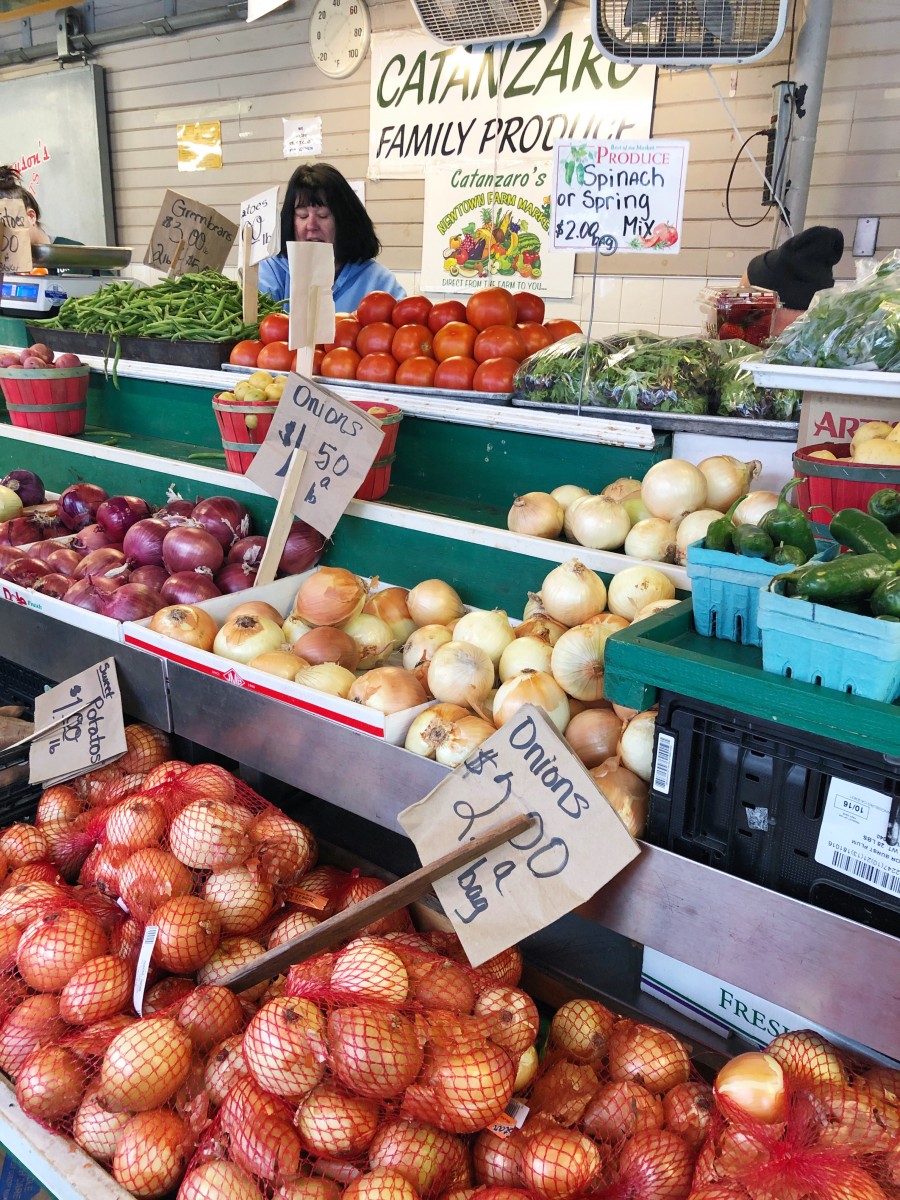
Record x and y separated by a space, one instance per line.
339 33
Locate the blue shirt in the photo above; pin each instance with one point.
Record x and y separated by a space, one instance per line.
355 281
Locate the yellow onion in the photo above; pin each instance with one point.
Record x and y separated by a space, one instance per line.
460 673
428 1157
382 1183
532 687
536 513
209 1014
651 1057
727 478
256 608
600 523
243 638
524 653
189 932
388 690
526 1069
280 663
566 493
465 735
185 623
224 1067
375 1051
560 1163
335 1124
374 639
290 927
51 1083
581 1029
539 625
327 677
513 1017
22 844
292 629
686 1110
571 593
284 1047
636 744
327 644
490 631
218 1180
390 605
55 945
432 727
96 1130
753 1083
434 602
673 488
657 1163
100 988
594 734
625 792
151 1153
210 834
145 1065
369 970
636 587
240 898
577 661
808 1057
136 822
329 596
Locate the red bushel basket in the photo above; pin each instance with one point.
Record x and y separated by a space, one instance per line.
243 425
838 483
378 480
51 401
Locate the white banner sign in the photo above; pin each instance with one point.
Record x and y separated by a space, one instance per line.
514 99
483 224
619 196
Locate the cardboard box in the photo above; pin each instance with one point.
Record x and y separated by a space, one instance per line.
281 595
16 1183
835 417
69 614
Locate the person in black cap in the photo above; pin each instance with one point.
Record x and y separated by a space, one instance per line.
797 269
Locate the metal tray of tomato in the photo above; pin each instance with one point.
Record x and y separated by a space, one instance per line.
396 389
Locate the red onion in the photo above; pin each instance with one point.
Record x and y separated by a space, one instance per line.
151 577
9 554
235 577
188 547
92 594
78 504
117 515
28 486
175 508
248 550
42 550
53 585
19 531
92 537
143 542
132 602
62 560
53 528
188 587
101 562
226 519
302 550
24 571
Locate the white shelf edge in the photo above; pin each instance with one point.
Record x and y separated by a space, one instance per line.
879 385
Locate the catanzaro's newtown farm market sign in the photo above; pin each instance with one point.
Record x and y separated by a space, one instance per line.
516 99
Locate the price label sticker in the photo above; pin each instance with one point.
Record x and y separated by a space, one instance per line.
80 725
15 237
576 843
305 899
514 1117
189 236
142 970
260 213
341 443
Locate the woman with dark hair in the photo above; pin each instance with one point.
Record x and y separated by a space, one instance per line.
321 206
11 188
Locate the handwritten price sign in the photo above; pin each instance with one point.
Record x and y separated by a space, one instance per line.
15 240
260 213
84 726
189 236
576 844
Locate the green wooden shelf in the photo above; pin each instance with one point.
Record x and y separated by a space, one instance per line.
667 652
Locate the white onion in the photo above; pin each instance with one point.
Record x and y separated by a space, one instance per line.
490 631
534 606
532 687
432 727
600 523
626 792
460 673
727 478
434 602
421 645
390 604
754 507
570 514
245 638
524 653
692 529
637 510
652 539
542 627
673 488
388 690
374 639
536 513
571 593
577 661
464 735
650 610
327 677
566 493
620 488
636 587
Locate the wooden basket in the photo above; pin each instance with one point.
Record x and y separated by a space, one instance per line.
243 425
51 401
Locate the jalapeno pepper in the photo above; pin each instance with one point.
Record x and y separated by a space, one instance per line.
789 525
844 580
885 599
720 533
752 542
885 506
864 534
787 556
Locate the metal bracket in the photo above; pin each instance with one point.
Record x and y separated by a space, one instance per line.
68 26
87 10
27 40
168 8
159 27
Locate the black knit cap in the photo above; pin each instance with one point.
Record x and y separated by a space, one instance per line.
799 267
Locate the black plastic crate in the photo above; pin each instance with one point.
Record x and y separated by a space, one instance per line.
749 797
18 798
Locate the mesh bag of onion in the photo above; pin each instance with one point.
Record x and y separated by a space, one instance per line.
803 1120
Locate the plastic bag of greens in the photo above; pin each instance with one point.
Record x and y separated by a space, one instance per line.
851 327
738 396
667 375
554 375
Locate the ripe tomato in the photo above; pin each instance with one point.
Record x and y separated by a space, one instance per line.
274 328
340 363
377 306
411 310
417 372
445 312
560 327
375 338
275 356
456 373
535 336
346 332
410 340
499 341
529 307
455 339
318 355
377 368
491 306
495 375
245 353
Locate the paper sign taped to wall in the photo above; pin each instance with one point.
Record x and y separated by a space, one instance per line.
302 138
576 846
199 146
15 237
259 8
189 236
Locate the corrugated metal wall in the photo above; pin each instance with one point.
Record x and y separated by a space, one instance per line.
254 75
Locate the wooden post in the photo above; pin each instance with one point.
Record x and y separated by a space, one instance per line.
281 522
249 279
176 259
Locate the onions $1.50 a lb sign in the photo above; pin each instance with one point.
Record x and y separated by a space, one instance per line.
618 196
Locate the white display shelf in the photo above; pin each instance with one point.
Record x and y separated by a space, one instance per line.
876 384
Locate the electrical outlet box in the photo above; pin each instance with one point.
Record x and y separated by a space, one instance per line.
865 237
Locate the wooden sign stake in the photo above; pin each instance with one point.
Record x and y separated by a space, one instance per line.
281 522
176 258
396 895
249 279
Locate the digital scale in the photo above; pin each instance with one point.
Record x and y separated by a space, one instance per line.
84 269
